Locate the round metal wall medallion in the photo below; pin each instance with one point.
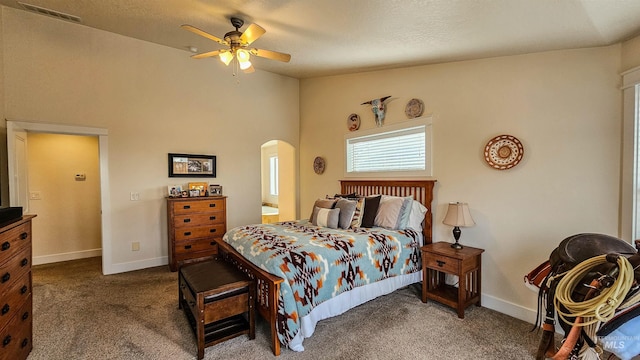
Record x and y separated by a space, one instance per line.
503 152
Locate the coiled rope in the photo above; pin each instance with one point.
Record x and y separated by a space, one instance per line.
598 309
601 307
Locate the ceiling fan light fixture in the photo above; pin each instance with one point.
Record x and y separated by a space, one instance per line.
244 65
226 57
243 55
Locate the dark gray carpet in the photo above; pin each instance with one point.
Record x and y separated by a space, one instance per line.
81 314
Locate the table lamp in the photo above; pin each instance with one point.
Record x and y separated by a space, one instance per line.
458 215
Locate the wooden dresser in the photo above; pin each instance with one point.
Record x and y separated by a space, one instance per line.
194 225
16 322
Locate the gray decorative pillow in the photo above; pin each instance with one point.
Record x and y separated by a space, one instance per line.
347 209
393 212
325 217
323 203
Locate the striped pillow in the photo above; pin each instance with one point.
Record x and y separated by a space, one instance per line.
325 217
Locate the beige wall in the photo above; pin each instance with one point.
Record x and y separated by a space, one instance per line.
565 108
68 210
152 100
287 182
630 54
4 177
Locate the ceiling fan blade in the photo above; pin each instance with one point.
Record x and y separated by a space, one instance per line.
249 70
206 55
197 31
273 55
252 34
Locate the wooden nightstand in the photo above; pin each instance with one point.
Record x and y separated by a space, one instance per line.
439 259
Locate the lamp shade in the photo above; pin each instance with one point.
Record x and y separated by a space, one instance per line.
458 215
226 57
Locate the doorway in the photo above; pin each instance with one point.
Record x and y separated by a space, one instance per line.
278 182
20 193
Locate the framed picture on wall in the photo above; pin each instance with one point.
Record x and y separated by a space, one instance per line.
189 165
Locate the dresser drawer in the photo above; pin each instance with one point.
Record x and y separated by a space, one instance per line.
194 246
183 234
13 240
14 297
212 218
16 337
190 207
14 268
442 263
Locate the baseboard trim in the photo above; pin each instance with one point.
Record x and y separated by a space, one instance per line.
509 308
75 255
135 265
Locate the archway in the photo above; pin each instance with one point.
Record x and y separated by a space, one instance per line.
278 181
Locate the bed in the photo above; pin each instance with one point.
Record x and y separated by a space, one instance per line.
306 272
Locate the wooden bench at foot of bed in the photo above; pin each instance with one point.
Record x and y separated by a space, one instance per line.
268 288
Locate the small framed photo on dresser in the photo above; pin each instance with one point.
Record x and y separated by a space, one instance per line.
215 190
194 193
174 190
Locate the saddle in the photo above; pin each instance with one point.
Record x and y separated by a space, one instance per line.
570 252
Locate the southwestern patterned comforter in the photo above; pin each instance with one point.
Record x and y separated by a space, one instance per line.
319 263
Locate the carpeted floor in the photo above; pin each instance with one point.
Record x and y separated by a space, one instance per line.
81 314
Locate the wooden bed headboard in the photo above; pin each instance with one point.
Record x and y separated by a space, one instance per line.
421 190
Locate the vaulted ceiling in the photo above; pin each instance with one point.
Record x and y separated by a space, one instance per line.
329 37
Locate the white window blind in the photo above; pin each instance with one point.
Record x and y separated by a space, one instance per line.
391 151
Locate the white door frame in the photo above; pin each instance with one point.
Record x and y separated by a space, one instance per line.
105 204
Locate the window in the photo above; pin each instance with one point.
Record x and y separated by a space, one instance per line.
273 175
402 149
630 199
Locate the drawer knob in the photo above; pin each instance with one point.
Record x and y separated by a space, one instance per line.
6 245
187 247
5 309
187 233
212 205
24 236
187 220
187 207
24 343
25 316
24 289
6 340
6 277
441 263
213 243
212 230
212 217
24 262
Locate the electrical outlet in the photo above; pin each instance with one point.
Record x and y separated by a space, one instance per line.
35 195
135 246
134 196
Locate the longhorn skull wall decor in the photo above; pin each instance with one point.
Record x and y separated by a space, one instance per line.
377 106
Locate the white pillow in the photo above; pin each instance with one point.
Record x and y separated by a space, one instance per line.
416 217
392 211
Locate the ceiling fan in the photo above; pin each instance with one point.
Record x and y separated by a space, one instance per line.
238 43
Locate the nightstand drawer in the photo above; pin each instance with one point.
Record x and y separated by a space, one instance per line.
442 263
